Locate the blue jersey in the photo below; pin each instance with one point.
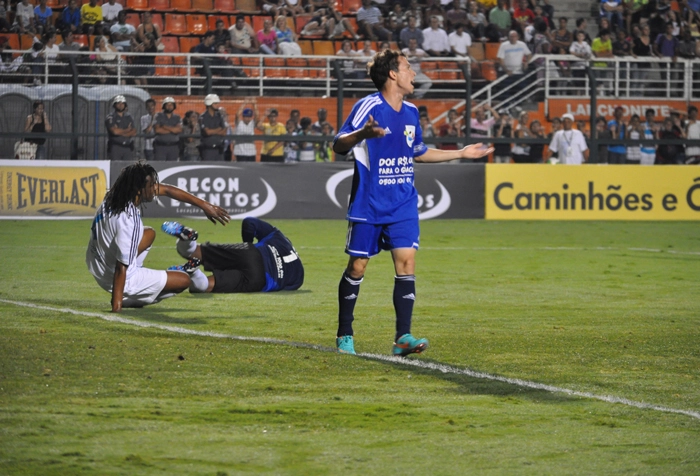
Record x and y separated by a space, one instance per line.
382 187
283 268
618 149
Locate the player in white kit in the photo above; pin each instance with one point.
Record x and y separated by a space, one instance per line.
119 242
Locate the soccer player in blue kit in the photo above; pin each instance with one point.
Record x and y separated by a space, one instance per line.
385 135
270 264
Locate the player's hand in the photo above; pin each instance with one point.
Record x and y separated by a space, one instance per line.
116 306
475 151
371 129
216 213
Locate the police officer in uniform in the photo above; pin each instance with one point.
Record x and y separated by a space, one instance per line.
120 127
213 129
168 127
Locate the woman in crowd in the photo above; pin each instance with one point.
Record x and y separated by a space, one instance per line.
38 122
286 38
106 57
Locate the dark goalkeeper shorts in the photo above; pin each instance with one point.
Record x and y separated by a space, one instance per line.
237 267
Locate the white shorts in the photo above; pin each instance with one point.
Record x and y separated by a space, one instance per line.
143 286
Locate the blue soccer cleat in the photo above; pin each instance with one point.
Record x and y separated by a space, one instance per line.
189 267
179 230
407 344
345 345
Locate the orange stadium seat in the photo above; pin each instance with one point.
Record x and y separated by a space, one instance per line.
296 68
186 44
12 41
176 24
432 74
325 48
350 7
55 3
213 18
181 65
196 24
82 40
159 5
317 68
225 6
171 44
138 5
133 19
247 6
450 75
491 50
488 70
181 5
202 6
26 41
251 66
164 66
428 66
258 21
275 68
301 22
306 47
476 51
158 20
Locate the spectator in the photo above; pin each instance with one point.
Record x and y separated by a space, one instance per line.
411 31
455 16
687 46
294 7
477 22
317 126
451 128
168 128
414 10
602 132
502 153
539 14
274 7
480 127
602 48
213 128
635 131
218 60
143 66
338 25
291 148
513 55
582 25
369 20
68 44
415 55
521 152
4 24
120 128
189 146
272 151
286 38
24 17
666 46
70 17
147 27
692 132
398 15
110 12
648 151
123 34
43 17
267 38
394 29
523 16
435 40
562 38
348 61
669 154
91 18
106 58
307 150
427 128
536 150
324 149
363 57
147 124
613 11
295 117
243 39
436 11
501 20
637 13
641 48
569 144
246 118
460 41
38 122
221 35
581 126
617 153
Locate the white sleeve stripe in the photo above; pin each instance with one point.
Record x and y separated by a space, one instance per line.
363 111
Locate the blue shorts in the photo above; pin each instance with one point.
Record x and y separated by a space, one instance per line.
368 240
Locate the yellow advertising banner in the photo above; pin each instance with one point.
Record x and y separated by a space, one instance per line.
592 192
49 189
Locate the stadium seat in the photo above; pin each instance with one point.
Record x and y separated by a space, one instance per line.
181 64
171 44
164 66
176 24
82 40
491 50
159 5
296 68
158 20
258 21
251 66
488 70
247 6
137 5
432 74
300 22
202 6
450 75
324 48
275 67
133 19
306 47
225 6
476 51
186 44
55 4
428 66
317 68
213 18
181 5
26 41
350 7
13 41
196 24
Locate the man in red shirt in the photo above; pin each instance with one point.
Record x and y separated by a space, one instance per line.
523 15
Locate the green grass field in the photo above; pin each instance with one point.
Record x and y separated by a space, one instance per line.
607 308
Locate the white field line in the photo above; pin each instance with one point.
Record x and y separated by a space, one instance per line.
446 369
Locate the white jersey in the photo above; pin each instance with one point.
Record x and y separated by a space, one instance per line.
242 147
570 145
113 238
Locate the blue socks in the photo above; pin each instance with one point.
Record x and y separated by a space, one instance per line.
348 290
404 297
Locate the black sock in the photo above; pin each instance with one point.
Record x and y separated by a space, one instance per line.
404 297
348 291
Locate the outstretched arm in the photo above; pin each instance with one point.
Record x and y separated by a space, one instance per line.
346 142
213 212
473 151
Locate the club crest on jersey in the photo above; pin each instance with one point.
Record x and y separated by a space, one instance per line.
410 134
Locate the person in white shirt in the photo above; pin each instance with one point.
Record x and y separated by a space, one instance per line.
415 55
119 242
122 32
147 124
569 144
110 11
435 40
24 17
460 41
512 54
245 121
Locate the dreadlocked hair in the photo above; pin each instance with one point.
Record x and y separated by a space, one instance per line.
129 184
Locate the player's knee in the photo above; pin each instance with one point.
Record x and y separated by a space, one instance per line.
356 268
177 282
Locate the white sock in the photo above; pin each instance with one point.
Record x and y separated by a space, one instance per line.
200 282
186 248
